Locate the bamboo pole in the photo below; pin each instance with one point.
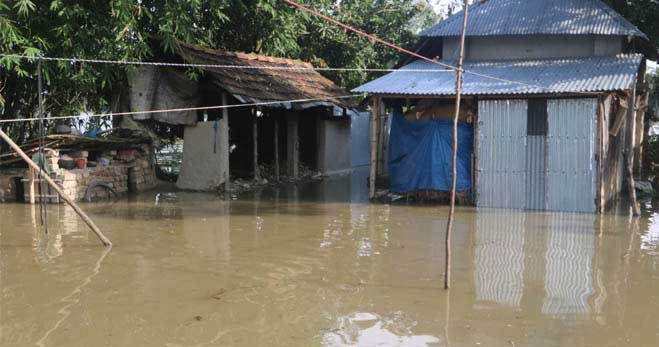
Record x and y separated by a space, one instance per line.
276 140
600 154
255 138
226 144
374 146
454 174
54 185
629 152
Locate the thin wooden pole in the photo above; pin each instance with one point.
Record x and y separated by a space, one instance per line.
600 154
255 138
374 146
629 153
54 185
224 132
458 90
276 140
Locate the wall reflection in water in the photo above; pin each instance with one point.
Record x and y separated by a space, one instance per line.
514 250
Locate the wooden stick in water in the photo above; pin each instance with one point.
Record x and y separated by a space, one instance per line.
54 185
458 89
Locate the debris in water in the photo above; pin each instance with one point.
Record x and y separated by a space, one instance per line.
219 294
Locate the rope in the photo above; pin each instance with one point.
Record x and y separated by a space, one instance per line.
214 66
180 109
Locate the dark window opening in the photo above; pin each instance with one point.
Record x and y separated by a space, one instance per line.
536 119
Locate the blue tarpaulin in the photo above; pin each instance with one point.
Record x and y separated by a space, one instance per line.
420 155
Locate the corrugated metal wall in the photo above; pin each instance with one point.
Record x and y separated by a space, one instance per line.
571 163
501 153
556 172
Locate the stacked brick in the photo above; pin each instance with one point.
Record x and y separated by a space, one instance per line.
129 171
136 176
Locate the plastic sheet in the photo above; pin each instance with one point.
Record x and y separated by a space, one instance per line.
420 155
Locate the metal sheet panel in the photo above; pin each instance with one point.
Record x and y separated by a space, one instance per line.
571 148
360 134
593 74
536 172
502 17
501 161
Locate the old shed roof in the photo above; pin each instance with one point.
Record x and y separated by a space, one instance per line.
528 17
266 85
572 75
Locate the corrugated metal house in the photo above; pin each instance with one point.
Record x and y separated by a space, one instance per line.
555 94
236 142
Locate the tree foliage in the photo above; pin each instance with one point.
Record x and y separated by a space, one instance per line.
642 13
148 29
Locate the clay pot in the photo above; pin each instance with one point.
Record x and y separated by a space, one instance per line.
81 163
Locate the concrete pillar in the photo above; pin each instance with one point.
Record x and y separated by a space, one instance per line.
292 146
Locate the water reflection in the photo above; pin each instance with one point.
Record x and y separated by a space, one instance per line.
290 268
499 257
368 329
569 271
554 248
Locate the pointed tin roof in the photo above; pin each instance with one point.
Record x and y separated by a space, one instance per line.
532 17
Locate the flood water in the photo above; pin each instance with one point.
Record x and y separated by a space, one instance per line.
315 265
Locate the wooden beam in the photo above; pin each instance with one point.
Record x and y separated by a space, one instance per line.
292 146
225 144
276 140
599 203
374 146
641 104
255 142
629 153
59 190
621 115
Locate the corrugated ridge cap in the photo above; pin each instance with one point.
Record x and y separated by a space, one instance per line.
484 14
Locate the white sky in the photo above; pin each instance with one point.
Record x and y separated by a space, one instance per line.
441 6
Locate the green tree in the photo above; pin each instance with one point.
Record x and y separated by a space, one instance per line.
642 13
148 29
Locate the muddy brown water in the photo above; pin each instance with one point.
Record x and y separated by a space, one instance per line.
315 265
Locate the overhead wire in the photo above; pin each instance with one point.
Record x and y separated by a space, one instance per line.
217 107
210 66
447 67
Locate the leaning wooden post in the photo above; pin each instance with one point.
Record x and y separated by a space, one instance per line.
54 185
32 186
374 146
458 89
